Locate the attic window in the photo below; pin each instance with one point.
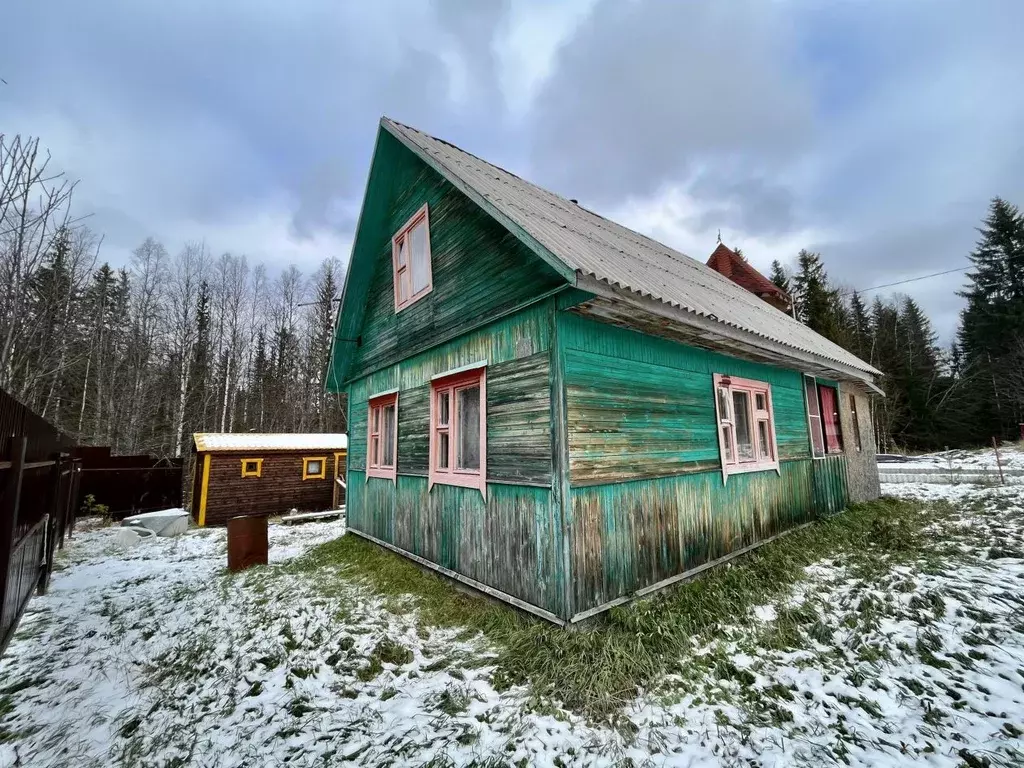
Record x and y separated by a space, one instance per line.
410 256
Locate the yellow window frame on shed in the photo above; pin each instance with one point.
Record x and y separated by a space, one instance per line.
258 472
306 475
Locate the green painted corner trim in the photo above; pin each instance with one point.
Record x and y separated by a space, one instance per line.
453 178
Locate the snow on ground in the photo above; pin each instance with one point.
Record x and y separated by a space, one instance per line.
155 656
1011 457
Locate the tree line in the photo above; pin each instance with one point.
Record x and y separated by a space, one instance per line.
963 394
140 357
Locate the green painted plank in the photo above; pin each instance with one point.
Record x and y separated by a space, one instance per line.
480 270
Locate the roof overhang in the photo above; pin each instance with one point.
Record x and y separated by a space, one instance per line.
630 310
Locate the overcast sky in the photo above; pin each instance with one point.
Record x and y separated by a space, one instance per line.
873 132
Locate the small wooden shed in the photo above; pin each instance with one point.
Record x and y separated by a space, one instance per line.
265 474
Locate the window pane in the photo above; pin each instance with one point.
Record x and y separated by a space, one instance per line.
420 257
812 396
443 406
468 428
817 440
744 435
723 404
314 467
761 401
727 446
443 449
830 419
403 253
388 447
764 440
374 451
376 420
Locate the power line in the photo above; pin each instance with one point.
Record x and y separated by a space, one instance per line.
909 280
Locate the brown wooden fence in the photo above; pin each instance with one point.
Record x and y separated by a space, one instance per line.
128 485
38 492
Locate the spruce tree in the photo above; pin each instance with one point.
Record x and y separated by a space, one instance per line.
778 276
991 334
818 304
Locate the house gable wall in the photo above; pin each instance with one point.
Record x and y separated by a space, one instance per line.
480 271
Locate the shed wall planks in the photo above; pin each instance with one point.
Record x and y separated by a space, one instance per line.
278 489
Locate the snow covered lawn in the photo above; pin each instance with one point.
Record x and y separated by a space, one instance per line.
909 649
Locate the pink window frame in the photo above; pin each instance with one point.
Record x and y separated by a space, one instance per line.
373 457
405 273
451 475
725 423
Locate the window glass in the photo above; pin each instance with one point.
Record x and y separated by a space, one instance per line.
761 401
830 419
314 467
814 417
727 448
420 257
388 436
403 253
724 411
443 449
443 405
764 440
741 416
468 432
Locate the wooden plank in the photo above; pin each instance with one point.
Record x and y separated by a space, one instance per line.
9 506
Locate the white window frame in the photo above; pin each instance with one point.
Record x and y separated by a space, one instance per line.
724 388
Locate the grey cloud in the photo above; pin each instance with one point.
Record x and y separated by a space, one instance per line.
647 91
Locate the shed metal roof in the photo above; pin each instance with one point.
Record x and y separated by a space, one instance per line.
594 246
268 441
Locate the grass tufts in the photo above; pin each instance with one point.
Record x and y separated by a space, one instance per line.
598 668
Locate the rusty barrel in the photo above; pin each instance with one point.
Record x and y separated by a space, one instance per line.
247 542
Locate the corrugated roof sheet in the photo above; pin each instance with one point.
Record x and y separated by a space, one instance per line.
268 441
598 247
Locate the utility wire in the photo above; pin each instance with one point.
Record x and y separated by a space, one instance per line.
909 280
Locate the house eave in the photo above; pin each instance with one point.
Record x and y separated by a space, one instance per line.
626 308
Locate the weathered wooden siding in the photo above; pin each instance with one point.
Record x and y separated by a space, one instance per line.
642 407
278 489
647 499
512 540
627 536
504 542
479 269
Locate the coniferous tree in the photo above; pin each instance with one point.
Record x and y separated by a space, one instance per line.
818 304
991 334
778 276
859 333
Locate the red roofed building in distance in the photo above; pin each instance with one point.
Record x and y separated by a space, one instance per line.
726 261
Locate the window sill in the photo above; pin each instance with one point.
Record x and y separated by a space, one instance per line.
460 480
743 469
383 474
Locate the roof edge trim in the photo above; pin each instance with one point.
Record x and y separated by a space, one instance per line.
693 320
563 269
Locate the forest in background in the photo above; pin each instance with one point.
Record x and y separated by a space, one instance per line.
181 340
175 342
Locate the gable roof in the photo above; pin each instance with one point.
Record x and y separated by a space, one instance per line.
597 249
726 261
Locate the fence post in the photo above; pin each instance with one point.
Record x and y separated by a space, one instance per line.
76 477
9 514
995 445
51 526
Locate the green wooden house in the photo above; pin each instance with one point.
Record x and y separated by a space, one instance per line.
562 412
